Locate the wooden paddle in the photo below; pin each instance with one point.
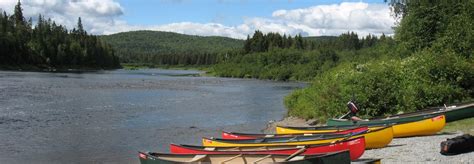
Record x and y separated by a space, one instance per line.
296 153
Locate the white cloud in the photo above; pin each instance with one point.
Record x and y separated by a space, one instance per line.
97 15
103 17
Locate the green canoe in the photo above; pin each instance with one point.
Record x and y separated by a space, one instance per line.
161 158
380 121
452 113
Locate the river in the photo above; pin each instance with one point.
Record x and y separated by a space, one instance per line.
107 116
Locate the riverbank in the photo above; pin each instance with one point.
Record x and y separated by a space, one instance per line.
404 150
42 68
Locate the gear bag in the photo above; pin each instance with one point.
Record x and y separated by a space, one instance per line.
457 145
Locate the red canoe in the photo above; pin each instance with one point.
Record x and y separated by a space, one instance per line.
356 147
242 136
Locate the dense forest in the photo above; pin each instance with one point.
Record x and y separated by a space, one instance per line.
276 57
430 63
167 48
50 46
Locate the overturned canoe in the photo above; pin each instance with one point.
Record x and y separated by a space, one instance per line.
376 138
161 158
356 147
236 135
404 127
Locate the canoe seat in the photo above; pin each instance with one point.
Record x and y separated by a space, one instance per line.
198 158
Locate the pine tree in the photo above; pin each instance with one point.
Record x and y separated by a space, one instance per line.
18 14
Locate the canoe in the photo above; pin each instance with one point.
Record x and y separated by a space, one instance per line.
236 135
356 147
281 130
452 112
376 138
376 121
422 125
162 158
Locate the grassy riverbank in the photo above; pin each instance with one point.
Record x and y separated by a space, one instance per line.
465 126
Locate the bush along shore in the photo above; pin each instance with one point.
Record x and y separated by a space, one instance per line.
424 68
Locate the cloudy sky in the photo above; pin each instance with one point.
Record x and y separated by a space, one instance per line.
231 18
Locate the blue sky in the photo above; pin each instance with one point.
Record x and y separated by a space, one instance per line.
230 18
230 12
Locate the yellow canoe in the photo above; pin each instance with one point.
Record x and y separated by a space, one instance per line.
376 138
325 129
427 126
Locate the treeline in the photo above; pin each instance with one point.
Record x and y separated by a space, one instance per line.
167 48
431 64
48 45
280 57
261 42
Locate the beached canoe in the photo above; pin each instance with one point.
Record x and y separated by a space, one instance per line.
321 129
356 147
422 125
428 126
161 158
236 135
452 112
378 121
377 138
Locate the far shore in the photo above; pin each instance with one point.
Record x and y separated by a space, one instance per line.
32 68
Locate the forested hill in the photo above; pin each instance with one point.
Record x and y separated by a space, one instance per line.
169 48
48 45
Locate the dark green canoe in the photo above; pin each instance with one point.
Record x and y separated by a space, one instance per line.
162 158
452 113
381 121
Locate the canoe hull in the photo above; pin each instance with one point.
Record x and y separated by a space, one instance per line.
231 135
160 158
377 137
417 126
460 113
420 128
355 146
374 139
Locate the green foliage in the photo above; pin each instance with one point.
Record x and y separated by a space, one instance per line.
430 65
167 48
386 87
286 58
48 45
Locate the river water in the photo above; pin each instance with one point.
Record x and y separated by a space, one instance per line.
107 116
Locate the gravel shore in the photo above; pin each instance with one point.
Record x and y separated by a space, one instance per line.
424 149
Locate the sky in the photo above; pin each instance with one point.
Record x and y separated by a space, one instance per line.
229 18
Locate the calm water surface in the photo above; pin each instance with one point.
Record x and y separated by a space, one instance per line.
108 116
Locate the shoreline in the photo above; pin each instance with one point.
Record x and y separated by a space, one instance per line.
32 68
420 149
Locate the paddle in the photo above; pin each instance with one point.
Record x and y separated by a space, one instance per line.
295 153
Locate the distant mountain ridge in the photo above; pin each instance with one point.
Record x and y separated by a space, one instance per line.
134 46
